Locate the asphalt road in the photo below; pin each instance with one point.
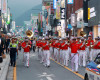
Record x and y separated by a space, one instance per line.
37 71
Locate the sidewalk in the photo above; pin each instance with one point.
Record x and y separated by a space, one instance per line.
4 68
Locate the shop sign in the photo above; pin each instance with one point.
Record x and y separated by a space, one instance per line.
58 11
92 12
4 6
54 4
62 13
73 20
0 4
59 24
70 1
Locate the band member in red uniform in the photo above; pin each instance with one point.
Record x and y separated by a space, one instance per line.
74 55
26 46
78 40
38 44
82 54
94 51
51 47
65 52
98 45
46 52
58 49
89 43
55 49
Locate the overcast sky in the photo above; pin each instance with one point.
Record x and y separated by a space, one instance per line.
20 6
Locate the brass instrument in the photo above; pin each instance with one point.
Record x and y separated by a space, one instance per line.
82 33
29 33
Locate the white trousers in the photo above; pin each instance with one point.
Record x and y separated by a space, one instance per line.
98 51
74 60
93 54
26 58
87 54
46 57
82 58
39 53
61 56
51 51
55 53
65 57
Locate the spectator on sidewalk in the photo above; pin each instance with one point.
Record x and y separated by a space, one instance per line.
3 41
7 43
34 44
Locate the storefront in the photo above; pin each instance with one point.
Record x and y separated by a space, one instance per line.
94 17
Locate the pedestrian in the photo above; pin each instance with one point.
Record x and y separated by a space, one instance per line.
3 44
7 42
34 44
26 46
13 47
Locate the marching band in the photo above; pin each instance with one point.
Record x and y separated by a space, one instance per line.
74 51
77 51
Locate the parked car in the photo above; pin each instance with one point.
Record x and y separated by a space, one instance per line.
93 69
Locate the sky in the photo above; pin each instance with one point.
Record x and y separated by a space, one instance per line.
18 7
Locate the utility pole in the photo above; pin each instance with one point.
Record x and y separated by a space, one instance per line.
65 14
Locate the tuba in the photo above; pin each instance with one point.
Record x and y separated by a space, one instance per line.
82 33
29 33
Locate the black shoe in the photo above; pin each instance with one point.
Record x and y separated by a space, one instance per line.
48 66
27 66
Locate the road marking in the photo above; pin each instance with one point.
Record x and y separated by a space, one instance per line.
44 74
49 78
14 74
69 69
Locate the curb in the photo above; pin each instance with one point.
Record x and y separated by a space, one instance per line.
4 68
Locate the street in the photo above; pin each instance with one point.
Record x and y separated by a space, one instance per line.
37 71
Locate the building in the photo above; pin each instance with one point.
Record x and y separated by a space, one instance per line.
34 19
77 9
13 25
47 10
94 17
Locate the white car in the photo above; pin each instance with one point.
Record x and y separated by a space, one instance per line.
93 69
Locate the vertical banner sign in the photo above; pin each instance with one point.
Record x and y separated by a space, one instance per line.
58 11
0 4
73 20
4 6
54 4
70 1
0 22
41 19
62 13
